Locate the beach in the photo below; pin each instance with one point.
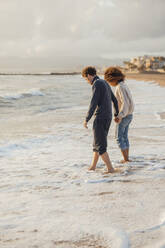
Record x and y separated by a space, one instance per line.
49 199
148 76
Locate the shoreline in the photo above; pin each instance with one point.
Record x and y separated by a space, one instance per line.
158 78
41 74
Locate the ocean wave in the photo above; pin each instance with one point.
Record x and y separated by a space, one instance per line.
30 93
60 108
8 149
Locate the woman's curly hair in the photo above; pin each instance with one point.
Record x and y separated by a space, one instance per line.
113 73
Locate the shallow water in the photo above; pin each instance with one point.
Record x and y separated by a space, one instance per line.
48 198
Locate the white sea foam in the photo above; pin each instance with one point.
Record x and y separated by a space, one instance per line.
48 196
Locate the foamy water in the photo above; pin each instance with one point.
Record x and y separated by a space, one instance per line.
48 198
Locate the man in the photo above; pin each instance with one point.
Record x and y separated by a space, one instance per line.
101 102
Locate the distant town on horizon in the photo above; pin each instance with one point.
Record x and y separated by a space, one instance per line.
145 63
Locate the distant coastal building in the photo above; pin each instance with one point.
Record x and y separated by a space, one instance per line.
145 63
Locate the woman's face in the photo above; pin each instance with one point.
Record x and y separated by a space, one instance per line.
113 83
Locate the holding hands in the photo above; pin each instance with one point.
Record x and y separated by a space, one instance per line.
117 119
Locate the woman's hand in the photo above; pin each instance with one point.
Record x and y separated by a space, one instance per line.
117 119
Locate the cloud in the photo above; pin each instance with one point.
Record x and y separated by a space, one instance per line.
82 28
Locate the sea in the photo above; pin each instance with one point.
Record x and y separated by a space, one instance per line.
48 198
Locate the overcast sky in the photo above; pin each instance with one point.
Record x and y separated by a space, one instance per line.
107 28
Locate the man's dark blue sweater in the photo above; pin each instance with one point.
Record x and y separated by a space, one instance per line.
101 100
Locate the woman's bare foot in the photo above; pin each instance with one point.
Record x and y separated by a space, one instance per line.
91 168
116 170
109 171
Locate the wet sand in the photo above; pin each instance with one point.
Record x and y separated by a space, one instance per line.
153 77
162 115
158 78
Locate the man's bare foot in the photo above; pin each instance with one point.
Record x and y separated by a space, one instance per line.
125 161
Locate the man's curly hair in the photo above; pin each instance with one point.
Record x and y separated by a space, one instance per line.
113 73
89 70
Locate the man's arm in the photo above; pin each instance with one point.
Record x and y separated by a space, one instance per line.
115 103
94 101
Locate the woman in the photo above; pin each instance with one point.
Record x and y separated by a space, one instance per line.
115 77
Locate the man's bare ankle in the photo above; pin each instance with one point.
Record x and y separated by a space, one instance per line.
125 161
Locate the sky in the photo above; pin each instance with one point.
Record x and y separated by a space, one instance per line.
82 28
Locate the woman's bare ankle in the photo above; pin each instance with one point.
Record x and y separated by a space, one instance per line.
91 168
111 170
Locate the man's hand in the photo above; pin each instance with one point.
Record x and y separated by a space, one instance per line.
85 124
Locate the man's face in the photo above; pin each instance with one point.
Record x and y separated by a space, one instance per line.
89 79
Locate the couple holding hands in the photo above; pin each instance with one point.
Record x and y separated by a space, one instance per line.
101 106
